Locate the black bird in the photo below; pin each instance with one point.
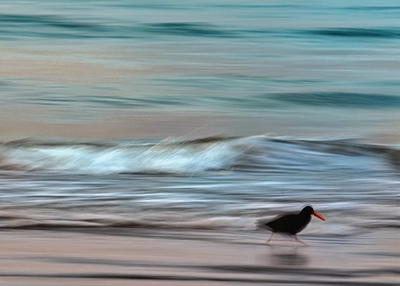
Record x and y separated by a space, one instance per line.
291 224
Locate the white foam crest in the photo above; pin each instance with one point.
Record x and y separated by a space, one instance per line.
164 157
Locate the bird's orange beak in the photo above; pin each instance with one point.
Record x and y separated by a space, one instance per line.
318 216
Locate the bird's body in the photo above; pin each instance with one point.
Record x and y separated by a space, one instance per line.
291 224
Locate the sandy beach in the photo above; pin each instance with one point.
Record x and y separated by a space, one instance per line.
40 257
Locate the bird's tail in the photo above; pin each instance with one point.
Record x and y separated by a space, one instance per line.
262 224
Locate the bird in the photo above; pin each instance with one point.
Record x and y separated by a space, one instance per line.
290 224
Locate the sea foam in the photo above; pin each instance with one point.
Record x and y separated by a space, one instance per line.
168 156
188 156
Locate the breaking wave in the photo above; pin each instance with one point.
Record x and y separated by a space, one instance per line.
188 157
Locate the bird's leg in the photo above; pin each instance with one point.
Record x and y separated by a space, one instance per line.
302 242
269 239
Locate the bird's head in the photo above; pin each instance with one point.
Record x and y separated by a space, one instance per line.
308 210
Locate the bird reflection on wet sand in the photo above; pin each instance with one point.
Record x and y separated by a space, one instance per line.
292 256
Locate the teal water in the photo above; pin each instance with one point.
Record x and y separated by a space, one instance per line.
200 56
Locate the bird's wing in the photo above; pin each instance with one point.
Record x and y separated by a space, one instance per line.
273 224
283 224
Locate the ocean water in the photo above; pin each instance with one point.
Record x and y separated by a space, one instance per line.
206 184
199 115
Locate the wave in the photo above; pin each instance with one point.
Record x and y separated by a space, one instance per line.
81 216
259 102
340 99
358 32
188 29
67 27
188 157
96 221
56 26
47 20
179 157
17 25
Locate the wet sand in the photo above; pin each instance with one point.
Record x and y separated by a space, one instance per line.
137 257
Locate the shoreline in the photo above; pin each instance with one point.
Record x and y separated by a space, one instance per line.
48 257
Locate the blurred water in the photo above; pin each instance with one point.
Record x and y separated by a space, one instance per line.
315 67
200 55
207 184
